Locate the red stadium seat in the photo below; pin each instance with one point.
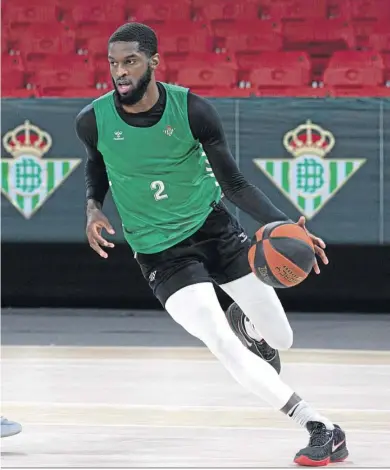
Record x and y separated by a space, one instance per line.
27 12
318 36
320 39
380 41
292 10
281 69
182 37
223 29
5 46
359 9
354 69
12 73
63 78
254 36
92 40
365 29
60 48
369 9
386 63
44 39
35 63
90 31
248 60
157 11
225 10
95 11
199 59
207 77
95 46
175 63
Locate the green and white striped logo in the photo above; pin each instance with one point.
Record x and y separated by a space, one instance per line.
27 179
309 181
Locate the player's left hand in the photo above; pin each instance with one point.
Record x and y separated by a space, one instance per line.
319 245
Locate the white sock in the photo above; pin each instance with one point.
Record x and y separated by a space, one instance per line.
301 412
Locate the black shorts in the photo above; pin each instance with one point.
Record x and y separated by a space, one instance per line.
217 252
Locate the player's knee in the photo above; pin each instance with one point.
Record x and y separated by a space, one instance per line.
196 319
215 332
223 346
282 341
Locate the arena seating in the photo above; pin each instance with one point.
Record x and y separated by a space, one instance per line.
216 47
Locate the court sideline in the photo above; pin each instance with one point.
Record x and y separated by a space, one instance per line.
131 389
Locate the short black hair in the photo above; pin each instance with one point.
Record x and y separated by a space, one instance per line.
137 32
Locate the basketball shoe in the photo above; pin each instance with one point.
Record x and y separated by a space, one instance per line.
245 331
9 428
325 446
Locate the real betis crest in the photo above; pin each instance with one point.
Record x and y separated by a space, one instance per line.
27 180
309 181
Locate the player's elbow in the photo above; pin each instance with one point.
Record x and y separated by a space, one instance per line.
234 186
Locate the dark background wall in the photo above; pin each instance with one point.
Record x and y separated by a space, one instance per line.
72 275
46 261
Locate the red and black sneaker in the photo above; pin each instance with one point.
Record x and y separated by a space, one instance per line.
325 446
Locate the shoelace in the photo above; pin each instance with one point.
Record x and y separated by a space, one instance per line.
266 351
319 435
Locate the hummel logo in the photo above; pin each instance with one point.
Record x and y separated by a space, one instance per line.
243 237
335 447
152 276
118 135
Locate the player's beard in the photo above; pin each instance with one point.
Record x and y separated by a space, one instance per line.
136 94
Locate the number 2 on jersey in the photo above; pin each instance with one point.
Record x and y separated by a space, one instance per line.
159 187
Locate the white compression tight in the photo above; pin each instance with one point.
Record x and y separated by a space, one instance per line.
196 308
262 306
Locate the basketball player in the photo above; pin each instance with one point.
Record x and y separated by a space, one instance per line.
163 153
9 428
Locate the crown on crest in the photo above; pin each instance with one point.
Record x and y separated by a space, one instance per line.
27 139
309 138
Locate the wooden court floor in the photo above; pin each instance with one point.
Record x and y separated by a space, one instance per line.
178 407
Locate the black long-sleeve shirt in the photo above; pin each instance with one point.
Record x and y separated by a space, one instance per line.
206 127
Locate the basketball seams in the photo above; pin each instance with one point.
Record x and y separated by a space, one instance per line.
261 268
267 229
299 253
291 231
275 258
260 234
251 256
297 240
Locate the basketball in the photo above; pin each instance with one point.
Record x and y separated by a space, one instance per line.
282 254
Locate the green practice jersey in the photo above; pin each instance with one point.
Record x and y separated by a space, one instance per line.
160 179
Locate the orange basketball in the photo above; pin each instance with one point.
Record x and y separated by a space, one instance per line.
282 254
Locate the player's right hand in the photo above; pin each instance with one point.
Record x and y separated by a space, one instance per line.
96 221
